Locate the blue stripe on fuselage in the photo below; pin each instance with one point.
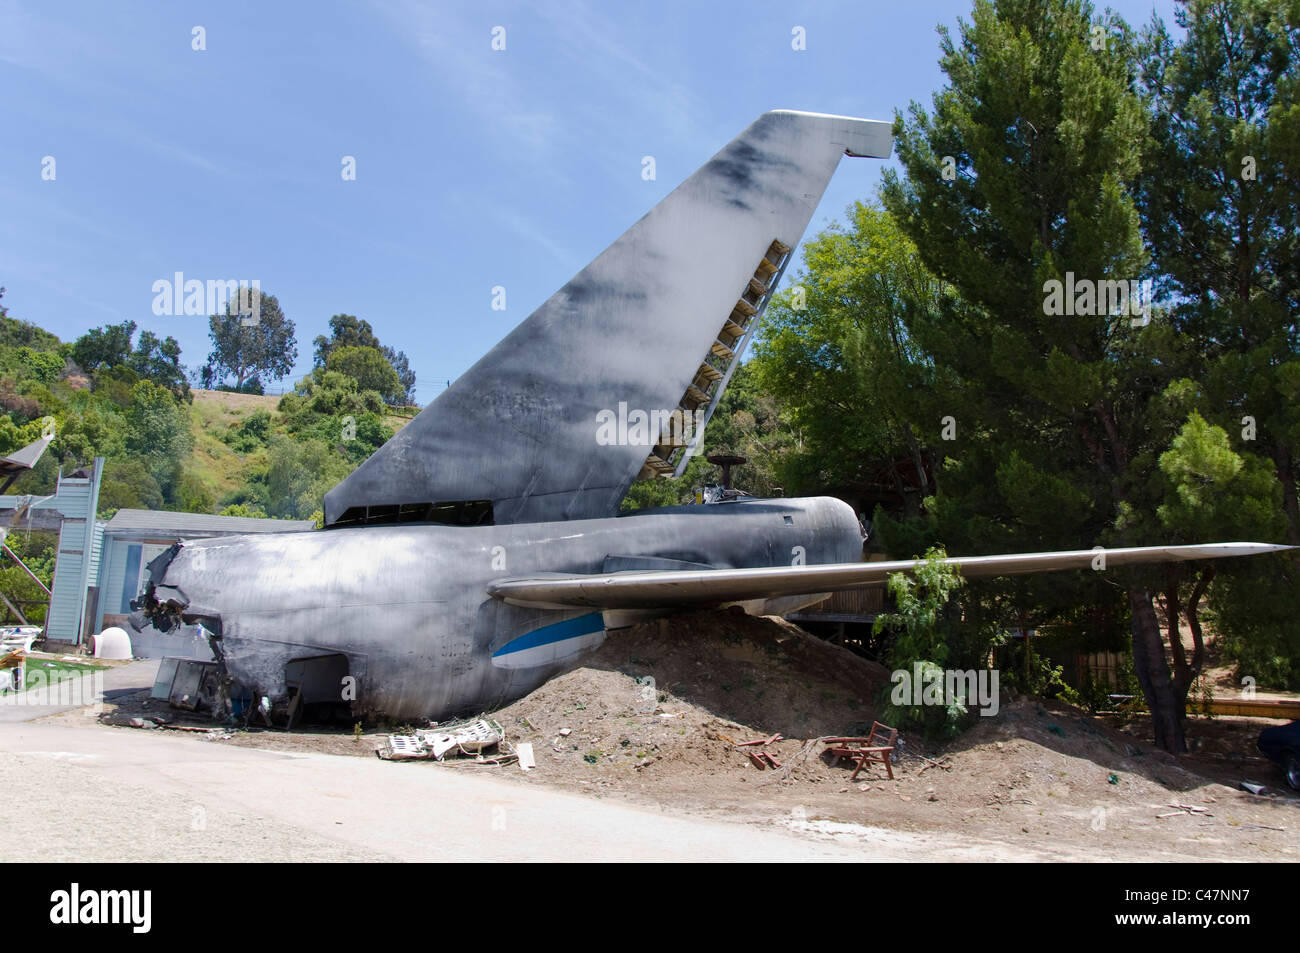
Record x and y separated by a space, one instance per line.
556 632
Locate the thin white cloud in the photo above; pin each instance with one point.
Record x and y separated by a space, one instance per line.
483 82
657 98
529 231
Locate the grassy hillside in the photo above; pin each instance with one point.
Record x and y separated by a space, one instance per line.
219 467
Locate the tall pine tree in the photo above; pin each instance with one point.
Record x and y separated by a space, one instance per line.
1219 198
1020 177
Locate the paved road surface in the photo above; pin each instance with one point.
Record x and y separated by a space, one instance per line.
94 793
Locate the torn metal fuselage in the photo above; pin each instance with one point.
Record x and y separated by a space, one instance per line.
407 606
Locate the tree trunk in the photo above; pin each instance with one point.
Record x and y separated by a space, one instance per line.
1153 674
1290 502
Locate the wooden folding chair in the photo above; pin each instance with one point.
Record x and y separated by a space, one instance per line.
877 746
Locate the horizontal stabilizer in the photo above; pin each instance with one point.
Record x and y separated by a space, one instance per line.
25 458
654 590
610 378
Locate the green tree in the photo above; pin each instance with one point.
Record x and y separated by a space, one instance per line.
249 345
1203 490
159 360
747 422
245 510
1021 177
301 472
844 354
250 433
347 330
153 358
109 346
328 393
88 428
924 627
128 485
369 368
1219 211
42 366
158 434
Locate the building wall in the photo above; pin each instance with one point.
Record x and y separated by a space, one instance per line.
121 552
122 565
77 498
122 556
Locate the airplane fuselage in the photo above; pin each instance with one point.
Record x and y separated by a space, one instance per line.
407 605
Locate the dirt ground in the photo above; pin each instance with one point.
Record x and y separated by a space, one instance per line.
1041 775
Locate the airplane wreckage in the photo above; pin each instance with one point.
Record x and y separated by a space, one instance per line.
479 552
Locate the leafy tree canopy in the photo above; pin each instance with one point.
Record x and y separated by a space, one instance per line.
247 345
151 357
369 368
347 330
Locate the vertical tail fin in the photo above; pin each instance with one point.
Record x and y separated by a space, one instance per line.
559 418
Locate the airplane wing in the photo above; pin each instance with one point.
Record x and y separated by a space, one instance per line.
711 587
554 423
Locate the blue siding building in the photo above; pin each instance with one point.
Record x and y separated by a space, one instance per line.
131 539
78 553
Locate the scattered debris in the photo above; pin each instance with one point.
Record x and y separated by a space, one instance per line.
1187 809
196 729
932 763
1112 778
141 721
192 685
19 637
997 800
760 742
1253 788
469 738
126 721
11 671
810 746
524 752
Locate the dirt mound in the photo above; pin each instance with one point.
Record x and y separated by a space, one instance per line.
665 698
1038 773
763 673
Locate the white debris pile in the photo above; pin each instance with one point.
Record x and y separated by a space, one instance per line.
474 739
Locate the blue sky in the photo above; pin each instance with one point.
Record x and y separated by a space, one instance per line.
474 167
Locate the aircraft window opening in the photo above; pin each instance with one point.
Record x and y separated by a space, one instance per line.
450 513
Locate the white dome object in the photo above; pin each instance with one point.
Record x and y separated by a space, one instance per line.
113 642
